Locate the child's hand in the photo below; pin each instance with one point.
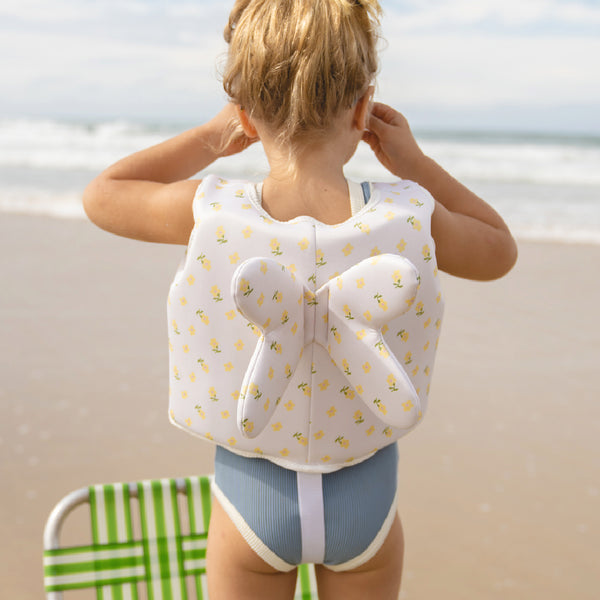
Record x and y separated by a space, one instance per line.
392 141
226 134
471 239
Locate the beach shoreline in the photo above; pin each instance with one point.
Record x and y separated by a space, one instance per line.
499 487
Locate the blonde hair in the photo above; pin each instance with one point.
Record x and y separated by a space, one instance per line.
296 64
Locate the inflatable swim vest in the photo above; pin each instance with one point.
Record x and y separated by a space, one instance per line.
308 344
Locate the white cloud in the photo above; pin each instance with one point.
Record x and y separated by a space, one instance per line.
134 57
420 15
475 70
47 12
81 74
579 14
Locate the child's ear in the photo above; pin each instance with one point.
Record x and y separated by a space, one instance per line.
245 122
363 108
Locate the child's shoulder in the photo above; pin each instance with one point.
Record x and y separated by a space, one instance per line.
213 189
400 186
405 191
212 181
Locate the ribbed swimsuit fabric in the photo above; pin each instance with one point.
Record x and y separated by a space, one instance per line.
357 501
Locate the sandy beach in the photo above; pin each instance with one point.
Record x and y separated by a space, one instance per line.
500 486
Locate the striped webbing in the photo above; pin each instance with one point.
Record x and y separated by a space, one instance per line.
162 559
306 585
115 562
110 510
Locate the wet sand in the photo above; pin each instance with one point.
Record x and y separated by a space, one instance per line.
500 486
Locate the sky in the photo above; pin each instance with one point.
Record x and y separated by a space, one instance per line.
515 64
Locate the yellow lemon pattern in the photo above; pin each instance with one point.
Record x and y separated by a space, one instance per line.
346 348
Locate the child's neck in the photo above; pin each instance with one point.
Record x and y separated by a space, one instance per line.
317 188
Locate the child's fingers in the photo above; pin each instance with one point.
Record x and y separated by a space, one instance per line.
376 125
366 136
379 109
387 116
371 139
384 112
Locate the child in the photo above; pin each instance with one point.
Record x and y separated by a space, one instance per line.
299 76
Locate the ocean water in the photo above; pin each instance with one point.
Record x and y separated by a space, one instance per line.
545 186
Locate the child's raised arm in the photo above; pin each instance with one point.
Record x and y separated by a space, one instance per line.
471 239
147 195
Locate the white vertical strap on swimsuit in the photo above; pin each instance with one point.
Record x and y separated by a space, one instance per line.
310 485
312 516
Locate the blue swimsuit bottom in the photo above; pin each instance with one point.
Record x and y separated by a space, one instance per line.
338 519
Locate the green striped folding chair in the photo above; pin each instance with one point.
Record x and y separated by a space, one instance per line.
165 560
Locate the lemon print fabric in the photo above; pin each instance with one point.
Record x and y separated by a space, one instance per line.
314 343
270 368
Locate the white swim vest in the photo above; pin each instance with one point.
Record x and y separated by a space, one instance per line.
308 344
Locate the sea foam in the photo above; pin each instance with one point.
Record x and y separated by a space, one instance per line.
546 187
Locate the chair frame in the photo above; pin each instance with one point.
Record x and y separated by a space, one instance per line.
163 557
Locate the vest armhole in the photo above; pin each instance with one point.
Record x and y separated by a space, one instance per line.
198 196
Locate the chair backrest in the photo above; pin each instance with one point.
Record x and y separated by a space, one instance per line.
148 540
